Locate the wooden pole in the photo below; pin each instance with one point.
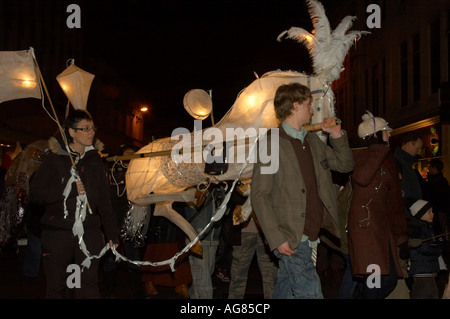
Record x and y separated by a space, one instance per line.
309 128
192 149
51 103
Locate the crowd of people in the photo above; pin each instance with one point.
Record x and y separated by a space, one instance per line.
385 218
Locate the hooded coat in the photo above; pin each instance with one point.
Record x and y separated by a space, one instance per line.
50 180
377 216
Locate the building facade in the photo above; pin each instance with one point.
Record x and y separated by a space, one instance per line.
399 72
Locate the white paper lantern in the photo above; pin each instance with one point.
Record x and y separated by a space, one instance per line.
18 76
76 84
198 103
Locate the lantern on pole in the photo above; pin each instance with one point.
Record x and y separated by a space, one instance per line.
18 76
198 104
76 84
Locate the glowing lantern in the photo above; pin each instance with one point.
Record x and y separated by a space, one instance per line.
18 76
198 103
76 84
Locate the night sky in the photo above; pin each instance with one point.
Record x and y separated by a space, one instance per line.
164 49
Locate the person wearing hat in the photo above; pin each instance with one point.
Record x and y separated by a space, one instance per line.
424 251
377 218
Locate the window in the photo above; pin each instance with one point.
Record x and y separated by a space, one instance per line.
375 91
366 90
404 73
383 88
448 44
416 66
354 105
435 55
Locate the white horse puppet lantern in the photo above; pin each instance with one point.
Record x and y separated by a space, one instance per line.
159 172
166 175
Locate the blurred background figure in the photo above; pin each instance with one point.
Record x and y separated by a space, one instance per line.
120 206
438 194
252 241
164 240
411 180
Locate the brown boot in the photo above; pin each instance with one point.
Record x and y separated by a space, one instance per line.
182 290
150 289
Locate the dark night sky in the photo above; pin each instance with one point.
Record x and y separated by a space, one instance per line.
164 49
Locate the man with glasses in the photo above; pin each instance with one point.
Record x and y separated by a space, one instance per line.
55 186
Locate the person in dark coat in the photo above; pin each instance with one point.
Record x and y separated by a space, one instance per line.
411 181
131 250
62 195
377 218
424 253
439 195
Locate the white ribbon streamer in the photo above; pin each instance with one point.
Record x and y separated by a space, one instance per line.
171 262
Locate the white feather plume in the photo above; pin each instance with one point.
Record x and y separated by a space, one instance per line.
326 48
322 29
300 35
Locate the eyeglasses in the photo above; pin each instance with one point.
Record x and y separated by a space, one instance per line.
86 128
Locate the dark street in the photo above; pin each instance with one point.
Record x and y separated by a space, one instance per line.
13 285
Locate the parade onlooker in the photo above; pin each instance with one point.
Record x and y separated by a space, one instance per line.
411 180
224 253
121 206
377 218
165 240
202 268
251 241
424 252
293 202
33 250
439 195
61 200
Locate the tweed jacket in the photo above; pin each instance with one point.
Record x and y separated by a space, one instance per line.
279 198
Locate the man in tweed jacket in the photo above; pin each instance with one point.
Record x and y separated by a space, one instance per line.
295 201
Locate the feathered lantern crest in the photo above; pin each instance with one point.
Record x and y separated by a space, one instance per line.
326 48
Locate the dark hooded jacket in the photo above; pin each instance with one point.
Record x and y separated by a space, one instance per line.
438 193
50 180
424 259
